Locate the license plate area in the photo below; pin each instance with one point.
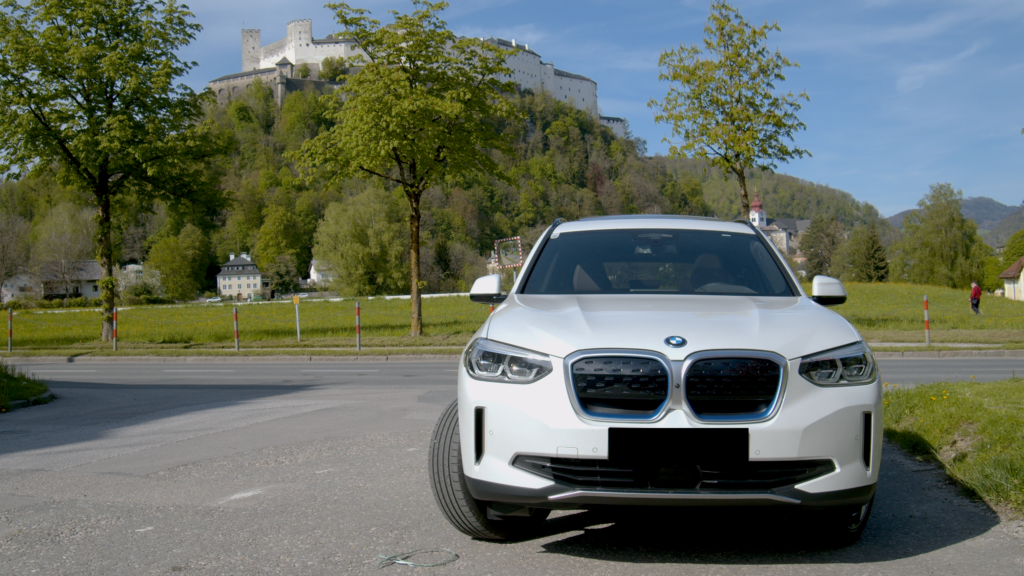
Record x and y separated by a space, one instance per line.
701 446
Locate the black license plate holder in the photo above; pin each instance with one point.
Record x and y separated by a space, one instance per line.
696 445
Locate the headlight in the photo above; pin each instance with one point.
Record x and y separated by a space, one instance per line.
846 366
497 362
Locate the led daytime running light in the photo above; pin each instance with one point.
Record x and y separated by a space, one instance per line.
497 362
847 366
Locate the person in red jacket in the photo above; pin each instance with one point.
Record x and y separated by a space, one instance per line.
975 298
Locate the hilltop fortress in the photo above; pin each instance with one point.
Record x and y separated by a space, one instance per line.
277 65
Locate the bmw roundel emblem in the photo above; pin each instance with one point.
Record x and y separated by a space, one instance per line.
675 341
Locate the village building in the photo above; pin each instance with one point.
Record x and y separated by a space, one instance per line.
783 232
320 274
239 278
23 285
74 279
1013 280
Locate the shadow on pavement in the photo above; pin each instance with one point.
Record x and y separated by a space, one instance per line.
916 511
88 411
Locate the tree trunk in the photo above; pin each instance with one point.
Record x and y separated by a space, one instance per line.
106 261
414 261
744 198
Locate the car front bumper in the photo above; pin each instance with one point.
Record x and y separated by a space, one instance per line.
500 422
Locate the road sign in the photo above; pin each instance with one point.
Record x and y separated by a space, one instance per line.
509 252
295 299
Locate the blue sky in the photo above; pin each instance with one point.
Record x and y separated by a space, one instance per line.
904 93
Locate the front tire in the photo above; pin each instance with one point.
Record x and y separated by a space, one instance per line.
847 523
448 482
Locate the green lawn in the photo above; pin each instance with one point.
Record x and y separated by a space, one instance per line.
447 322
976 430
882 312
16 386
900 308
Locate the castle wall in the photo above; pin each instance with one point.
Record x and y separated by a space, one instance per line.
299 47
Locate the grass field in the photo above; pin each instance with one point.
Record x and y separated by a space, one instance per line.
882 312
16 386
384 323
976 430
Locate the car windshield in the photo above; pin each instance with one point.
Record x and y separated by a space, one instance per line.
656 261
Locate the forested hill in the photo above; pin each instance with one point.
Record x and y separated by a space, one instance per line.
565 165
996 221
783 196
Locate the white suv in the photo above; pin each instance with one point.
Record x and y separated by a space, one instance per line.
658 360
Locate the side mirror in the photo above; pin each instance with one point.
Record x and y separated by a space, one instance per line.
487 290
827 291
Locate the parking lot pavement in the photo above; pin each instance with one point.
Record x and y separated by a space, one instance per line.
278 471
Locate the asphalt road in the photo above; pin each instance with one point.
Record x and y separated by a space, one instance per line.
317 468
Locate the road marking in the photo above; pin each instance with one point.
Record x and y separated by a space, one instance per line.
198 370
145 529
241 495
341 370
63 371
322 471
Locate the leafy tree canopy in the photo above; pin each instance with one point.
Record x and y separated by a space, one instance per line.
724 103
89 86
426 106
939 245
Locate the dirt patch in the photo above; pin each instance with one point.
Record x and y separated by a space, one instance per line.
961 444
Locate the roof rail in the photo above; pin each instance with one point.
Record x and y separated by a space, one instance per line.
557 221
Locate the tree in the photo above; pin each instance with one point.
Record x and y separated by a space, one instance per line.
1014 249
940 246
277 237
302 71
725 107
425 107
64 239
282 273
863 258
361 241
88 86
333 69
14 246
181 261
820 244
686 196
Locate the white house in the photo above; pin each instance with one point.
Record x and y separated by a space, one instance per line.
81 276
1013 280
320 274
22 285
239 278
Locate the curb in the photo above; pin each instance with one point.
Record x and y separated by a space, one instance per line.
41 399
953 354
225 359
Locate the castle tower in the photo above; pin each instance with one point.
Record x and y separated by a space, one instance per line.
757 215
300 31
251 49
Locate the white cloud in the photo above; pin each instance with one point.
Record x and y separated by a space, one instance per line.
914 77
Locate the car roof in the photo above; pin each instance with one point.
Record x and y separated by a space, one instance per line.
669 221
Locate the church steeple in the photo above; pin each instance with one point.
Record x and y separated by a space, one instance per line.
757 215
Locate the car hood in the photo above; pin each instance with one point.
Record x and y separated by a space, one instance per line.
560 325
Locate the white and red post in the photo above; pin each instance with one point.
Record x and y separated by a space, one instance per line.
115 328
927 328
359 337
10 329
236 327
